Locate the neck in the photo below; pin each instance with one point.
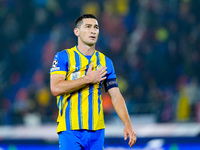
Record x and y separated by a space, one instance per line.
86 49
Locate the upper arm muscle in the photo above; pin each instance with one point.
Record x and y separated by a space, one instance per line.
114 93
54 80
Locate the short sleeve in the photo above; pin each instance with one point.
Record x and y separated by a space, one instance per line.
110 69
110 81
60 63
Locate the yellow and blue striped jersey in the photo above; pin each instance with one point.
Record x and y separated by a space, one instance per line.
81 109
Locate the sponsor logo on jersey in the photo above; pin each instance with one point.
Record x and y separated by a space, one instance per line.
55 69
75 75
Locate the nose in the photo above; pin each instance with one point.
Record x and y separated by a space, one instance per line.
93 31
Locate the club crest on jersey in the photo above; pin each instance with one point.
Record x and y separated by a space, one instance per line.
99 66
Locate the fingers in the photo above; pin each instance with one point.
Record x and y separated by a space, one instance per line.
132 138
91 66
95 76
131 142
103 78
102 69
103 72
125 136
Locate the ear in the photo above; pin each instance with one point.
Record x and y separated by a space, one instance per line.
76 31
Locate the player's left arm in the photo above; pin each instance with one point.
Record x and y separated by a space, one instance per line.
121 109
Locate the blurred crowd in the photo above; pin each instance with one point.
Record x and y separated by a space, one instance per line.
154 46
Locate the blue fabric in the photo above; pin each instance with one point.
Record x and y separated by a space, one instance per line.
110 83
81 140
110 69
60 62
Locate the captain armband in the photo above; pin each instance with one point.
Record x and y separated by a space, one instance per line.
110 83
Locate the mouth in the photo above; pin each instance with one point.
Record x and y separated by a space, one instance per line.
92 37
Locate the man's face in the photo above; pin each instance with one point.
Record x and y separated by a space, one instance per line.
89 31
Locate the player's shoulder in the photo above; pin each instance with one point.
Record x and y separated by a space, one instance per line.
102 54
62 52
70 49
107 59
65 52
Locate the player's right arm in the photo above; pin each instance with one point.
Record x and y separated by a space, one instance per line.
60 86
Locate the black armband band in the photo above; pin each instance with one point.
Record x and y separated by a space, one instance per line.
110 83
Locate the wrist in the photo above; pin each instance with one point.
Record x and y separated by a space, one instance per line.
127 123
86 79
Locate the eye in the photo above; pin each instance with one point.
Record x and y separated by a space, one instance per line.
87 26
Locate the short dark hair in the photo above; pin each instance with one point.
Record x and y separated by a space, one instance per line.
79 20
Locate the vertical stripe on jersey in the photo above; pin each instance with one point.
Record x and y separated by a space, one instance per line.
61 104
68 57
90 121
99 101
74 114
58 106
85 108
103 63
90 98
78 61
79 110
100 61
73 111
78 66
99 90
67 114
95 96
98 58
67 109
58 102
72 62
84 94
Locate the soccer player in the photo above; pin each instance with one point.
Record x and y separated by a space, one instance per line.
77 77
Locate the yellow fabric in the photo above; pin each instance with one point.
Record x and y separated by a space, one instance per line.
75 109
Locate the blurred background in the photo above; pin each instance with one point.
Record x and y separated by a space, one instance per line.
154 46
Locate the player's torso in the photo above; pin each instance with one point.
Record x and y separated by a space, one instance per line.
84 106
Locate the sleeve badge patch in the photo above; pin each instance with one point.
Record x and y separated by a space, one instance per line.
55 63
